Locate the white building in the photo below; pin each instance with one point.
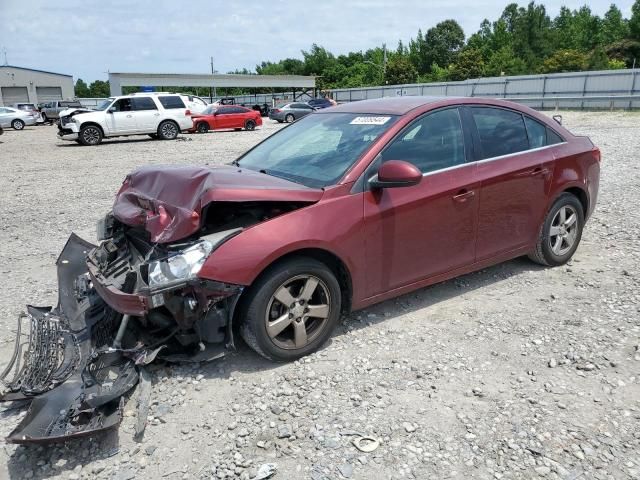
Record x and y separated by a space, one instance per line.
19 84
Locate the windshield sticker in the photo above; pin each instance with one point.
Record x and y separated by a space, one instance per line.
369 120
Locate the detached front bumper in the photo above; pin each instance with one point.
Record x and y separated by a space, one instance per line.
76 361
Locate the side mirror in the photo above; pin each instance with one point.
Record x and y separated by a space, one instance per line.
111 110
396 173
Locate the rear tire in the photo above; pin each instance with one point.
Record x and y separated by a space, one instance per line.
44 117
250 125
202 127
560 233
289 118
90 135
291 310
168 130
17 124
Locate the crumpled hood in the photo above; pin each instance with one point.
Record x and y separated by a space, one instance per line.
168 200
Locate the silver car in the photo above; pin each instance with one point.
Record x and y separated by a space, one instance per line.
16 119
290 112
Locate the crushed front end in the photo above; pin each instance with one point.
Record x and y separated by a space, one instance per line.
137 296
121 305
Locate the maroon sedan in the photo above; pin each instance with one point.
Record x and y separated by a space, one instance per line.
345 208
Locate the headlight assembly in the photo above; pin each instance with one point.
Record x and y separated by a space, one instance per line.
180 267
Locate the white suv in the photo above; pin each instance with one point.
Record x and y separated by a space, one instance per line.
159 116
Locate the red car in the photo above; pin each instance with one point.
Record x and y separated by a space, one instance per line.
345 208
234 117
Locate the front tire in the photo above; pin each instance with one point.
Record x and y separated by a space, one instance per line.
44 117
90 135
291 310
289 118
17 124
560 233
168 130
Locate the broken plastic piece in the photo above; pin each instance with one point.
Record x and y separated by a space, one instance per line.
366 444
266 470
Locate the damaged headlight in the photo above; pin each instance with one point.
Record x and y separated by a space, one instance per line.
180 267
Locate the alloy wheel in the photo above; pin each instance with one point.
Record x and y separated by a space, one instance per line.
298 311
169 130
17 124
564 230
91 135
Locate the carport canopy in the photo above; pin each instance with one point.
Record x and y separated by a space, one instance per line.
119 80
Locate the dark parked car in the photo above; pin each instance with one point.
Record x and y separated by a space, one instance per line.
290 112
348 207
321 103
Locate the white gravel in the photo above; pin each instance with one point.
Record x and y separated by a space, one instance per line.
513 372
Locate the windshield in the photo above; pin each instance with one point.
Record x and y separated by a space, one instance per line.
210 110
317 150
104 104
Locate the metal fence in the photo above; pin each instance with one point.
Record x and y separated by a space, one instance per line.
606 89
598 89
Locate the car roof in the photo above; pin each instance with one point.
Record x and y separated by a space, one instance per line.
387 105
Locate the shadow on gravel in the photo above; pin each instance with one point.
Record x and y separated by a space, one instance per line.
117 141
64 457
440 292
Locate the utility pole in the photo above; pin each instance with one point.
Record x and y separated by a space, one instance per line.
4 50
215 94
384 61
212 92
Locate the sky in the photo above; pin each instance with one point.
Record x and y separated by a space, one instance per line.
88 39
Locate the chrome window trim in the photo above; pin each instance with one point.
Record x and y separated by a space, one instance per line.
491 159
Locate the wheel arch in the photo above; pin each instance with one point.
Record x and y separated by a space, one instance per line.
330 259
581 194
95 124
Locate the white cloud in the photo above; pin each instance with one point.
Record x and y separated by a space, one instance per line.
87 39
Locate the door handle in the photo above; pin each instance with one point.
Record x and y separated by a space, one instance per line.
156 114
533 173
463 195
539 171
128 116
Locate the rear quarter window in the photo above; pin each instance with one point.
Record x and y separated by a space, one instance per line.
501 132
172 101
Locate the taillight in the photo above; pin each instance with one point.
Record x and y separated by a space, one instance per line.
596 154
187 113
275 110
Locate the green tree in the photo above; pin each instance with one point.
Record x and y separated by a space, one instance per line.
614 27
400 70
634 21
81 90
505 62
468 64
442 43
627 51
565 61
99 89
598 59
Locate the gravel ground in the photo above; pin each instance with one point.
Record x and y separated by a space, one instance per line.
516 371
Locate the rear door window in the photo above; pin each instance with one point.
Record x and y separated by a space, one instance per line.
433 142
501 132
536 132
144 103
172 101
